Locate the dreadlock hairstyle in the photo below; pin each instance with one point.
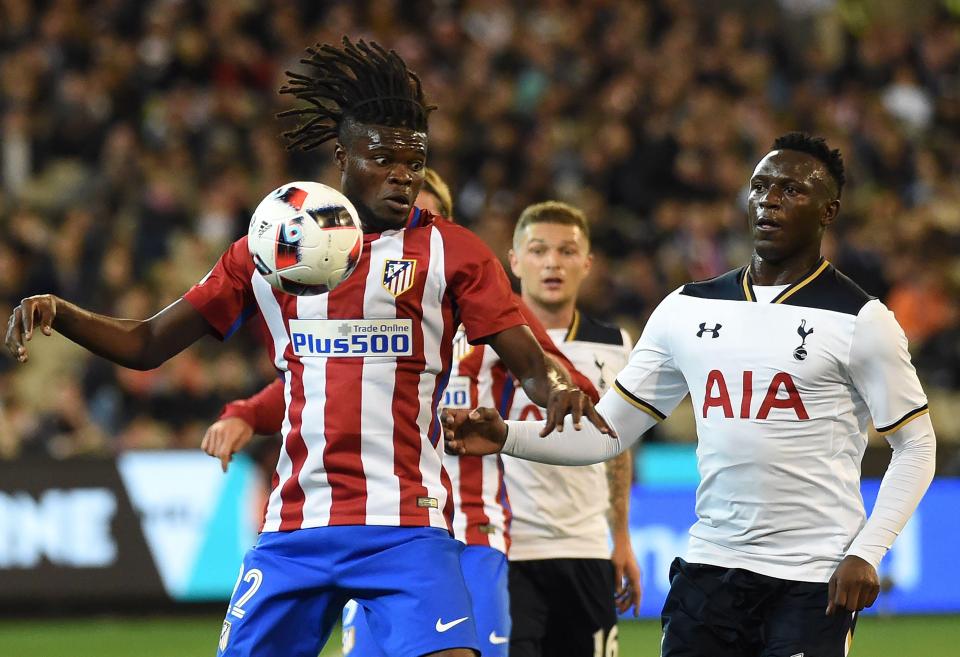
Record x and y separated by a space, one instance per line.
359 82
817 147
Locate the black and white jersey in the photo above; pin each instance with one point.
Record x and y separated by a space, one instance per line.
783 392
561 511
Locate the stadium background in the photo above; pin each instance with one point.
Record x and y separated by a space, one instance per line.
136 137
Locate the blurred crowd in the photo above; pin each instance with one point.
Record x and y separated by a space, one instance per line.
136 137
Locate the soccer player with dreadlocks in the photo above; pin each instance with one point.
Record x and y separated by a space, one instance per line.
361 505
482 512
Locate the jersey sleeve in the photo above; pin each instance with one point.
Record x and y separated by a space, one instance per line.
225 296
881 371
540 333
647 389
263 411
910 472
651 383
479 285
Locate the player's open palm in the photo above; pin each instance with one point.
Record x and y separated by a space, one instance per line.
225 438
33 312
853 586
576 403
473 433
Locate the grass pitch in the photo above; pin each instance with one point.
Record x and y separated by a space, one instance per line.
196 636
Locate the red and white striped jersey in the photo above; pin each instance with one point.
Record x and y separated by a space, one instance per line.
364 370
483 513
481 505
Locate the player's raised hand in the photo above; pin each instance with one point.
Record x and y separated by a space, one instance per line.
225 438
473 433
853 586
32 312
563 401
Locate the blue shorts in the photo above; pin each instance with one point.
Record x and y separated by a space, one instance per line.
293 586
485 571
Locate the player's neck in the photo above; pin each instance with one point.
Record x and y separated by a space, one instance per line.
783 272
372 224
552 316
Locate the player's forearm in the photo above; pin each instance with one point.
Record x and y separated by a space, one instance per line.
546 376
567 447
584 447
906 480
137 344
537 374
123 341
619 478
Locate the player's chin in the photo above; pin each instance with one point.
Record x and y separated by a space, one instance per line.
770 248
393 213
553 295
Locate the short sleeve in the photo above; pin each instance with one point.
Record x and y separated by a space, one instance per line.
479 285
651 381
263 411
225 296
881 370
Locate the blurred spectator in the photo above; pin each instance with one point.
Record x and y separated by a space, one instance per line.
136 137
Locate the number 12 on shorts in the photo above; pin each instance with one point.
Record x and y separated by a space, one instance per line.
253 577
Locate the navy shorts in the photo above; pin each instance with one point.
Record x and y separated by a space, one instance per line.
485 571
730 612
293 586
563 607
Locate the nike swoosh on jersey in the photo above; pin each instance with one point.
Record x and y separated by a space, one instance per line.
443 627
496 640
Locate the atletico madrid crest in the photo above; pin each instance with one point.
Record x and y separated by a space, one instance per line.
224 635
398 275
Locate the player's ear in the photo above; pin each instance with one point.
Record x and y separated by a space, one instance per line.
830 213
514 262
340 154
587 263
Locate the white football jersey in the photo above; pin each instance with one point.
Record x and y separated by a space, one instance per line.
561 511
783 393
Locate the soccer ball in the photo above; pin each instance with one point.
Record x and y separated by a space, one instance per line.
305 238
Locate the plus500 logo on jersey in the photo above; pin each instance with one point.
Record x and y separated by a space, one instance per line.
352 337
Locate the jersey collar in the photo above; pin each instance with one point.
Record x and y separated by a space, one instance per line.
747 284
574 327
419 217
415 219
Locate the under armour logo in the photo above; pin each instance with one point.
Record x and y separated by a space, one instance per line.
800 353
714 331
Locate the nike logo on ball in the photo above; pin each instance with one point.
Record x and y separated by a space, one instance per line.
443 627
496 640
